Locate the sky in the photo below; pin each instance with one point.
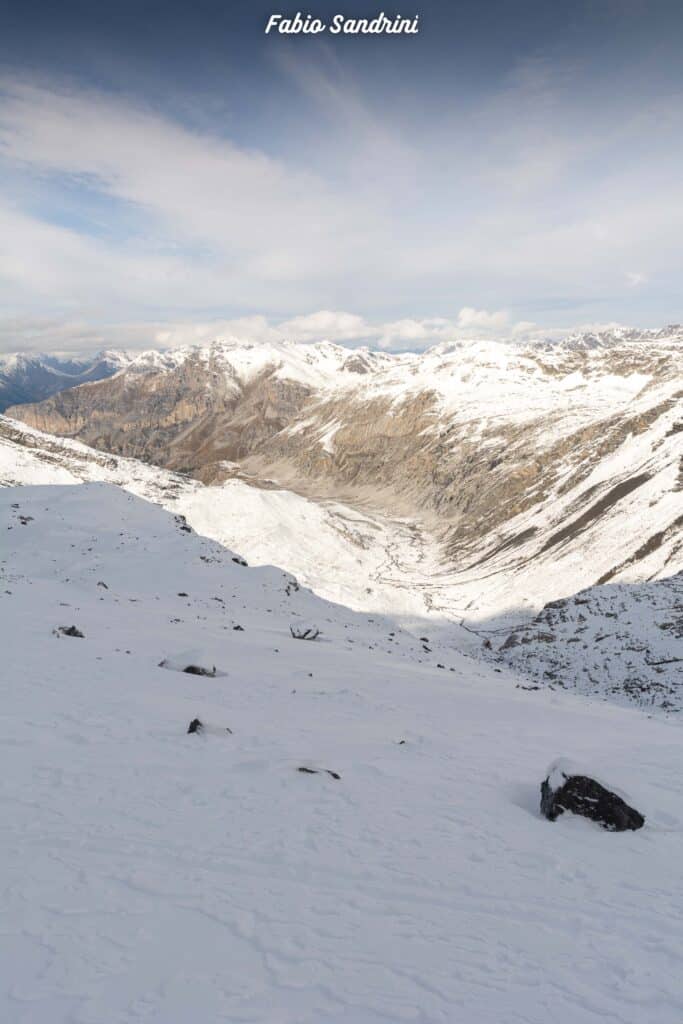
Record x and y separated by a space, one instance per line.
169 172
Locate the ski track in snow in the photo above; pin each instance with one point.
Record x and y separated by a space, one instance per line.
151 876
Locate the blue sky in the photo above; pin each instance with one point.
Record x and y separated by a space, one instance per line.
168 171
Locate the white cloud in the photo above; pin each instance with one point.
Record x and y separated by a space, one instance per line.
74 337
634 279
359 209
469 317
331 326
247 328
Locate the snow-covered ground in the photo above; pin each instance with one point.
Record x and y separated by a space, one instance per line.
147 875
622 642
360 558
373 562
369 562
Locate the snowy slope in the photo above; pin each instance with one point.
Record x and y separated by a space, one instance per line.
597 529
319 365
149 875
622 642
622 520
344 554
514 473
371 562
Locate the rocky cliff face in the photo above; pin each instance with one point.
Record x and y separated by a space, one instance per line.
511 455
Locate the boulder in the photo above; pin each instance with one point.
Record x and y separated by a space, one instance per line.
567 788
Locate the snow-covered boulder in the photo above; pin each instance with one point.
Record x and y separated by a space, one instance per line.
567 787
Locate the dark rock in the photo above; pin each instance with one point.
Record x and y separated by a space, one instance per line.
316 771
195 726
199 670
70 631
238 561
562 790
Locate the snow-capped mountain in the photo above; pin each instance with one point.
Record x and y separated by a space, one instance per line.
376 563
353 838
32 377
523 472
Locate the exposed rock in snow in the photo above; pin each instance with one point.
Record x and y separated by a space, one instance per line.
568 788
193 663
316 771
200 728
623 642
69 631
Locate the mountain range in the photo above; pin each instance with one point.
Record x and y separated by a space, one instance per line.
31 377
483 488
515 473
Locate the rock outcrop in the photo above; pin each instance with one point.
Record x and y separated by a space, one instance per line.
567 788
619 641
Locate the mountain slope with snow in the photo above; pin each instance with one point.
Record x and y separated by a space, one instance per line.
150 875
33 377
523 463
621 642
380 564
344 554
